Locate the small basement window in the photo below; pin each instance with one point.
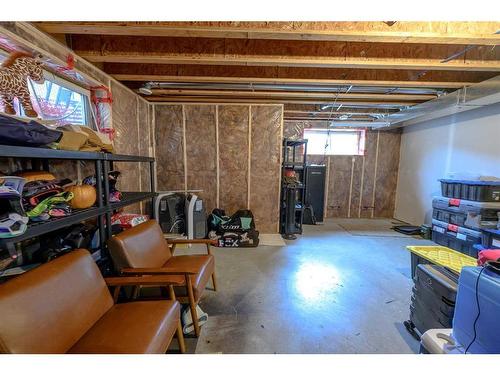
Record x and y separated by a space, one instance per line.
58 101
335 141
61 102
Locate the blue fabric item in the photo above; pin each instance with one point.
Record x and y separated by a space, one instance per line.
14 132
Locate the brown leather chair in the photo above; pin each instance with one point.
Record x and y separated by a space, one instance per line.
64 306
143 250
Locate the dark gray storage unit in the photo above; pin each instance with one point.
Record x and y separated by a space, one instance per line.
315 190
491 238
433 299
481 191
465 213
455 237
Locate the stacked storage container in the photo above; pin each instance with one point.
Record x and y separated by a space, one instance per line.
465 213
433 298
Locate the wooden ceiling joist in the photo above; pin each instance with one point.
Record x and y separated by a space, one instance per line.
401 32
289 81
302 73
287 94
285 61
283 53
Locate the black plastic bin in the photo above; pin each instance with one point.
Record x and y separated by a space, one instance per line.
457 238
491 238
472 190
465 213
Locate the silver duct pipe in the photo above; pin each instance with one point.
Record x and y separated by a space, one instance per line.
465 99
333 89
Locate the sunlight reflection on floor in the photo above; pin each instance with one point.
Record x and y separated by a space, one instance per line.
316 282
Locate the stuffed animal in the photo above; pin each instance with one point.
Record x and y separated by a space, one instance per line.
14 74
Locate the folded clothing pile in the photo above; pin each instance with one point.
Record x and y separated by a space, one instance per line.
17 131
44 196
13 220
83 138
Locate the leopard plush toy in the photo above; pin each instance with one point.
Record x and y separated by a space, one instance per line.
14 74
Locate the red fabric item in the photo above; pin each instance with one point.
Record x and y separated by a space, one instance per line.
485 255
128 220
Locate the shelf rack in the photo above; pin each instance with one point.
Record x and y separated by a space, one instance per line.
103 163
292 196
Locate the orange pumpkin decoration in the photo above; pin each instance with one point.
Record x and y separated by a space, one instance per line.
84 196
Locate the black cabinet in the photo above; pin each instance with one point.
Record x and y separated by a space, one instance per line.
315 190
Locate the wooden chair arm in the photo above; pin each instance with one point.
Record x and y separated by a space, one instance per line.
157 271
136 281
205 241
141 280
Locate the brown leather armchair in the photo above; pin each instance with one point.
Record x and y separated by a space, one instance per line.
143 250
64 306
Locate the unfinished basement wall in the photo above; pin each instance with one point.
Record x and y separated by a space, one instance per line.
358 186
131 115
230 151
467 142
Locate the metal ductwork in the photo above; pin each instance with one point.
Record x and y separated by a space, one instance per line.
464 99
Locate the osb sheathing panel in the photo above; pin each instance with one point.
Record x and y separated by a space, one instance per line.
197 47
387 173
169 147
296 72
201 152
369 175
126 139
265 166
233 157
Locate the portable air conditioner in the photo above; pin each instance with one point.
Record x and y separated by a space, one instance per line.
169 209
196 217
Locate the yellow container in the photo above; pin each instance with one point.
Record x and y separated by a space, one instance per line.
443 256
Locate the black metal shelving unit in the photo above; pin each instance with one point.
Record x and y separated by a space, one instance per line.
103 209
293 195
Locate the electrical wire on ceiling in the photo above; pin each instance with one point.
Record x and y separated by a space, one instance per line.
465 50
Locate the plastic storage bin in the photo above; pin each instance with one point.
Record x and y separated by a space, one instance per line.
465 213
466 311
491 238
473 190
433 299
455 237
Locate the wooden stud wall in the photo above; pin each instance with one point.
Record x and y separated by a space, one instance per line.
232 153
359 186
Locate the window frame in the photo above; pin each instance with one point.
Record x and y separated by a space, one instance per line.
361 141
67 84
87 103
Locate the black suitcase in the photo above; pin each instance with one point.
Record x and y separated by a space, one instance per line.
438 280
437 304
423 322
432 314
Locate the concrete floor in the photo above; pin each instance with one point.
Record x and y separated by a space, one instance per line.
329 291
